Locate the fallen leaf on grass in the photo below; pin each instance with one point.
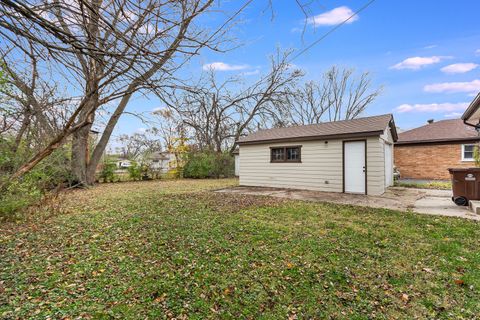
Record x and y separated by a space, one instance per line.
405 297
459 282
228 291
160 298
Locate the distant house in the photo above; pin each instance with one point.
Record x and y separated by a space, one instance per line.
352 156
124 163
162 161
428 151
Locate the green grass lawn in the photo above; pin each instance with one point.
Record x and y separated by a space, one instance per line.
439 185
174 249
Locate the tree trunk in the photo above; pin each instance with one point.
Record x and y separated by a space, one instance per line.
79 155
102 143
21 131
112 122
80 150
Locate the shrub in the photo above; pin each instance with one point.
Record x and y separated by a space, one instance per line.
108 171
146 172
208 165
225 165
476 156
135 171
153 172
18 194
199 165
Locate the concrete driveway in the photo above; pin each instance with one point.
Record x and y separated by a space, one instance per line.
435 202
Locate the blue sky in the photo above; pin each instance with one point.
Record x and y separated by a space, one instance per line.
426 54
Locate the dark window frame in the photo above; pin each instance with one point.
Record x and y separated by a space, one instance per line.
285 160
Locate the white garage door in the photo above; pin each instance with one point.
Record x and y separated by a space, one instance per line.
355 170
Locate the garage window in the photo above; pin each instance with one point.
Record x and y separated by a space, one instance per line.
285 154
468 152
278 154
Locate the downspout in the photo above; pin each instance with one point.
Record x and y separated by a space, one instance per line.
476 126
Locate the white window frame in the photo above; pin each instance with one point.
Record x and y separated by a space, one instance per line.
463 152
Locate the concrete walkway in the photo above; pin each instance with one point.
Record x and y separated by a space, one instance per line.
428 201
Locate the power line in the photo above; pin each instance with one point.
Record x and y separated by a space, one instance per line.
325 35
332 30
329 32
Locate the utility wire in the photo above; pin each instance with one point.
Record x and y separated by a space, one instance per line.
332 30
329 32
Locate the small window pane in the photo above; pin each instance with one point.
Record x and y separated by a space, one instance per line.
468 151
293 154
277 154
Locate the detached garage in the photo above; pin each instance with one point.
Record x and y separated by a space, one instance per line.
352 156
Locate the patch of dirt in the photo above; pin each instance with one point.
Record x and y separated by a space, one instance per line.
395 198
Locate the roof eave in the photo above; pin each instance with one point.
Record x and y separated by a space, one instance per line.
437 141
393 129
473 108
311 138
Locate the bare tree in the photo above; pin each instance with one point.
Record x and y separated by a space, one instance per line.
137 144
147 41
29 19
339 96
36 107
110 50
168 127
218 113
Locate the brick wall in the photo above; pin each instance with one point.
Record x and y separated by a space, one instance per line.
429 161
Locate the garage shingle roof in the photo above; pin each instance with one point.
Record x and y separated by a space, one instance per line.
439 131
328 130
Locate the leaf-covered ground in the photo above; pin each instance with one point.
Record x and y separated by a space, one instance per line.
175 249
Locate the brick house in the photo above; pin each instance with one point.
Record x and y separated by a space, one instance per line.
428 151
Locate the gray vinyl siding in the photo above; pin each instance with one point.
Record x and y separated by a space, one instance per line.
321 168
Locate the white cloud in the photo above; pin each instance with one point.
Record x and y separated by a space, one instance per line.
141 130
221 66
430 46
415 63
453 115
432 107
251 73
333 17
452 87
459 67
477 52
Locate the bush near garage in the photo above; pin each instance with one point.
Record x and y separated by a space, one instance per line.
202 165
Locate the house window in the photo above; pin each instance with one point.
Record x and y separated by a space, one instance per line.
278 154
293 154
285 154
467 152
